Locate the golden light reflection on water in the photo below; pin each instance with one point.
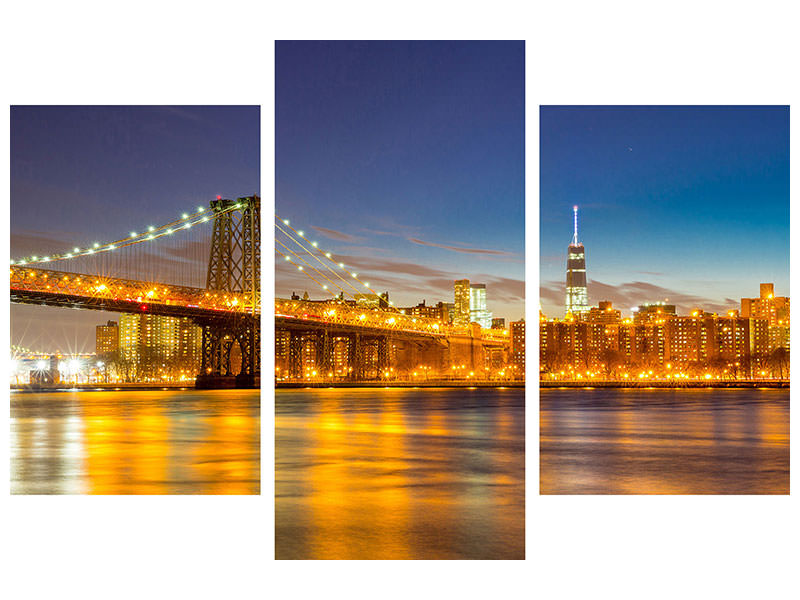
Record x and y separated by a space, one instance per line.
664 442
136 442
399 474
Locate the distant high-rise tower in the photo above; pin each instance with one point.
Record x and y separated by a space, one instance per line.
577 300
477 305
461 312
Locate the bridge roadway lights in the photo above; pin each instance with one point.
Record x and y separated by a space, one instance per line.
368 353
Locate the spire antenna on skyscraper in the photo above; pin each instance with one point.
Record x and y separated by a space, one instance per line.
577 298
575 221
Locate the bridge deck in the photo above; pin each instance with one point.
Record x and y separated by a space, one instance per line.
77 290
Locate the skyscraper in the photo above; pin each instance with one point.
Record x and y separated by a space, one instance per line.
577 300
477 306
461 314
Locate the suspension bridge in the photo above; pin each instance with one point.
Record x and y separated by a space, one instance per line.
158 271
357 334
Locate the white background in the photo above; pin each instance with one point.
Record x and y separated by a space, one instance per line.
222 53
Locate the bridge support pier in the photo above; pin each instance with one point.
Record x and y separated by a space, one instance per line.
295 366
219 340
356 357
234 266
382 344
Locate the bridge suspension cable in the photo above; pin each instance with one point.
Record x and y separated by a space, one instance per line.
324 258
301 268
186 221
307 251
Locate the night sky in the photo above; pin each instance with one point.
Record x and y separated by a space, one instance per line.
406 160
84 174
685 203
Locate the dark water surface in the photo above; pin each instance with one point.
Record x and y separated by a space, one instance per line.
135 442
400 474
689 441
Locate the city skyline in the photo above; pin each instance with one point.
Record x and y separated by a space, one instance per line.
689 204
123 167
406 161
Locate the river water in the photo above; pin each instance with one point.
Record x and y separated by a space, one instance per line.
664 441
400 474
135 442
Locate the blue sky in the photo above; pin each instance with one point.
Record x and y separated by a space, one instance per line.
406 159
685 203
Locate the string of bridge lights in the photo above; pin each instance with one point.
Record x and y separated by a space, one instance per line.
302 268
321 253
346 281
186 221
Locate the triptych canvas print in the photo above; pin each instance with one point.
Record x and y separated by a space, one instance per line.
390 355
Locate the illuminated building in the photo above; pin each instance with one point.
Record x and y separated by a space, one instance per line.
107 338
308 355
477 306
778 337
518 346
158 347
282 338
603 313
571 344
341 356
686 339
653 312
422 310
759 337
372 300
447 309
767 306
577 299
498 323
543 345
730 346
775 310
461 314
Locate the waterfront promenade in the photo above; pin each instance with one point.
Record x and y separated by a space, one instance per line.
734 383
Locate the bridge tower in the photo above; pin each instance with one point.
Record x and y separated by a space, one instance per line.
234 265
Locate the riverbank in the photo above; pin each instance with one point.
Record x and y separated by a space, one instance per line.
400 384
88 387
747 384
